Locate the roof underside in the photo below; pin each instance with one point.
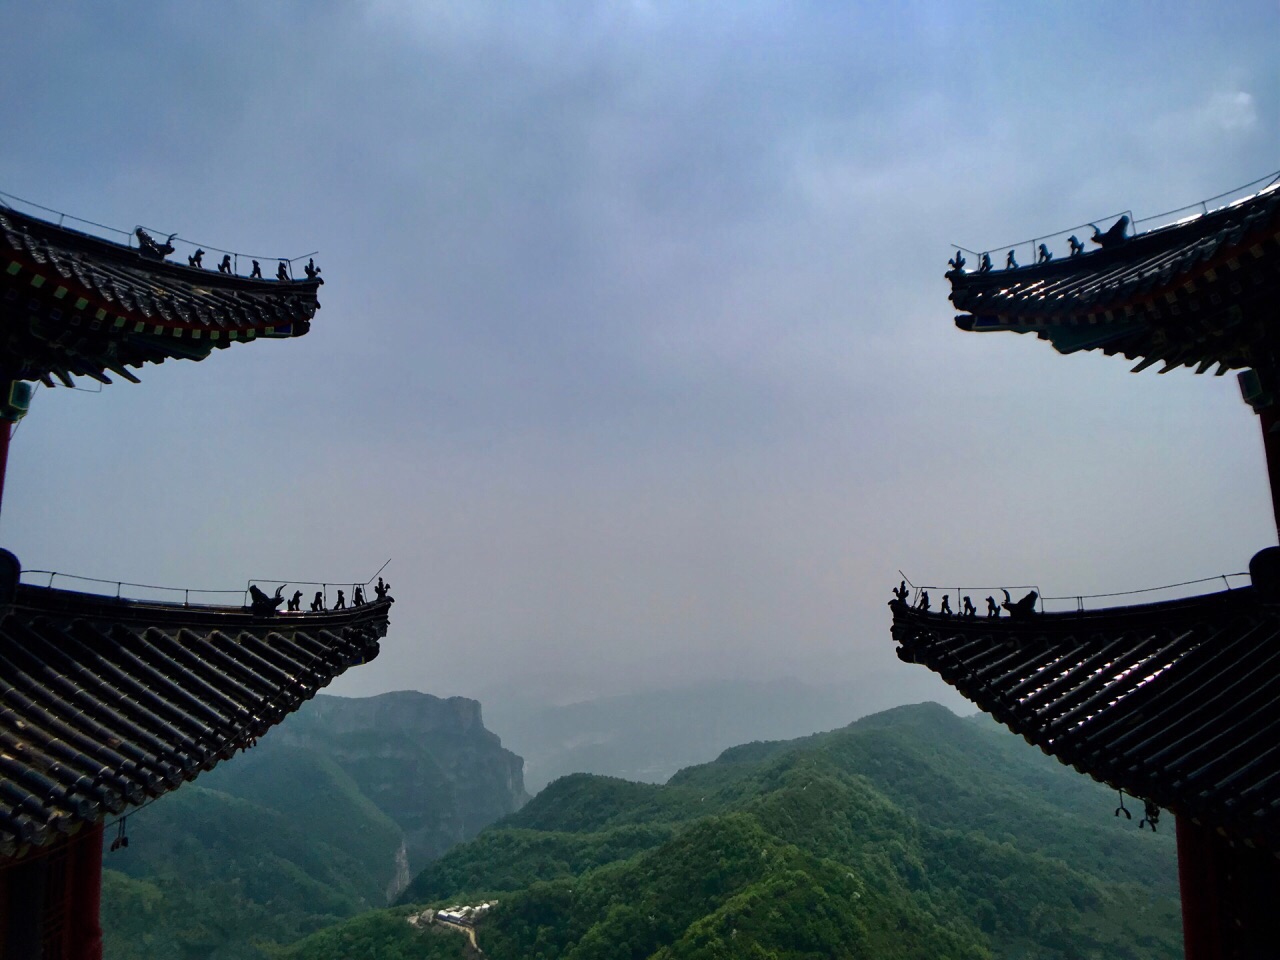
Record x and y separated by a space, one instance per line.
108 703
75 305
1177 703
1198 293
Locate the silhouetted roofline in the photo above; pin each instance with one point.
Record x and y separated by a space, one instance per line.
106 703
1195 293
72 304
1176 702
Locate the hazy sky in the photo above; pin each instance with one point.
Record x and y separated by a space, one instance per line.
635 354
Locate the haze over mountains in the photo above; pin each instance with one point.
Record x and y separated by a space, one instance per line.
649 735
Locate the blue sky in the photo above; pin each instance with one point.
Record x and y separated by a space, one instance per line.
635 353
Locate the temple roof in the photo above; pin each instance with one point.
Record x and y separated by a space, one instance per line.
75 304
1196 293
106 703
1177 703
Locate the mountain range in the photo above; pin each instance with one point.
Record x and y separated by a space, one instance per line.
908 834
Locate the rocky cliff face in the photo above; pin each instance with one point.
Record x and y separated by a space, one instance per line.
402 877
429 764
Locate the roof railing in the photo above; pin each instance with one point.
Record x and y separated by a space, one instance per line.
1027 252
1195 210
1072 603
182 247
152 593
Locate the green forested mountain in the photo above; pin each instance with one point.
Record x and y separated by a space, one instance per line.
912 833
207 873
427 762
317 823
384 934
909 834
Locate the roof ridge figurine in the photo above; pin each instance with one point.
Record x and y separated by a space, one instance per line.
262 603
1116 234
148 247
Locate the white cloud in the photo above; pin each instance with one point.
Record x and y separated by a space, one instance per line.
1233 111
1199 126
635 344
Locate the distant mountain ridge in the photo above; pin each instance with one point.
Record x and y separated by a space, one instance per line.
648 736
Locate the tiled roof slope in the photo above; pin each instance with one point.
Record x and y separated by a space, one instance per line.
1177 703
106 703
74 304
1196 293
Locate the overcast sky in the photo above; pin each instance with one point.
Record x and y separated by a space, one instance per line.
635 354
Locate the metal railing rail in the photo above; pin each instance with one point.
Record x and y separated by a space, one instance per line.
1031 248
981 592
1243 192
1076 598
1079 599
1192 211
264 583
130 239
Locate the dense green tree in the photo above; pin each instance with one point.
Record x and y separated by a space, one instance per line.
911 834
381 934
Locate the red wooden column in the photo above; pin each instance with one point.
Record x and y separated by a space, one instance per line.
84 893
1269 419
1202 933
1230 896
51 900
6 432
15 400
1231 891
